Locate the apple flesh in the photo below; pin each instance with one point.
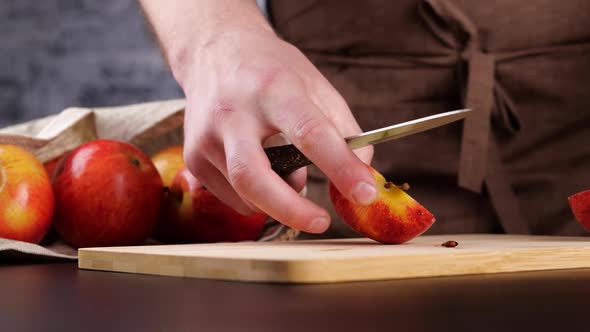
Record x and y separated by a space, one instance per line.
26 197
192 214
580 206
393 218
108 193
169 161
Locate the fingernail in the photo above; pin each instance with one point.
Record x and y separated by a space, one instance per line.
364 193
319 225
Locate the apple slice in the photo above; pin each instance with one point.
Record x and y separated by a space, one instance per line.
393 218
580 206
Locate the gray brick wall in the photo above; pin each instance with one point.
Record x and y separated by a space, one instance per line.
60 53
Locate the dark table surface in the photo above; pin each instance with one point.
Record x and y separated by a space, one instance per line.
59 297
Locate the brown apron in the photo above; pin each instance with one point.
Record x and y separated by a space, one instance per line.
522 66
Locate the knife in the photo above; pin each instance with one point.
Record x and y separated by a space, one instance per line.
285 159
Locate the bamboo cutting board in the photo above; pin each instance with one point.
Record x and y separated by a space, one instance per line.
345 259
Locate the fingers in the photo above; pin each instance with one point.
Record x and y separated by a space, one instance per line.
217 184
297 179
249 172
317 137
204 158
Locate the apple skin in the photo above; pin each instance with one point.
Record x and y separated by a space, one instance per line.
108 193
169 161
26 196
580 206
192 214
393 218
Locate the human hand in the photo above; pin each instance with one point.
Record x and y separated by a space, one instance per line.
244 85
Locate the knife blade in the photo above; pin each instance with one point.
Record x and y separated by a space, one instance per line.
285 159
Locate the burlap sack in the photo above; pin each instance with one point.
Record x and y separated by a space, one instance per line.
149 126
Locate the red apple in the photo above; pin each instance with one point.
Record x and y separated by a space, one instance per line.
393 218
169 162
26 197
580 206
192 214
108 193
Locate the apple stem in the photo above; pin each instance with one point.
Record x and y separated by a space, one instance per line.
134 162
450 244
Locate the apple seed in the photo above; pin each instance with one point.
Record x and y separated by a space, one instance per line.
404 187
450 244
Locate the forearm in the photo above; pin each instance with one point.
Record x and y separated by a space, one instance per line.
183 28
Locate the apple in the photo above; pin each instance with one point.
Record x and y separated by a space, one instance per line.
169 161
107 193
26 196
192 214
393 218
580 206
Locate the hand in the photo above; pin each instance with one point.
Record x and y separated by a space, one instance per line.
243 86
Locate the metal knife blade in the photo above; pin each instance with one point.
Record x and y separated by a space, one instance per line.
405 129
285 159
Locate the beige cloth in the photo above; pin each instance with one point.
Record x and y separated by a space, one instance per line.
17 251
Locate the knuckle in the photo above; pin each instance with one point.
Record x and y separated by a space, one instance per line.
239 174
272 81
220 110
307 131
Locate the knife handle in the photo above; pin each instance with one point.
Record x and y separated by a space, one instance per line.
285 159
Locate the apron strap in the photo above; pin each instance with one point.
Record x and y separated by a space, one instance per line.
476 127
480 159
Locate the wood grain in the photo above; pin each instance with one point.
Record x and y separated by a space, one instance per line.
340 260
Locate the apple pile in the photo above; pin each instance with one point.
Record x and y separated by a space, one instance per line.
111 193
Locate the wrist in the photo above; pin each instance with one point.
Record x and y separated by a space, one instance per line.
186 53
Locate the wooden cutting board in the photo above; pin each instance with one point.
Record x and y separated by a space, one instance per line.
345 259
